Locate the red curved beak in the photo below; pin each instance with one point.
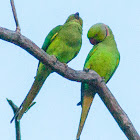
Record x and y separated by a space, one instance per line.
93 41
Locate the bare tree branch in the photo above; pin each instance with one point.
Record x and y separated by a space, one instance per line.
90 77
117 112
17 123
15 16
33 49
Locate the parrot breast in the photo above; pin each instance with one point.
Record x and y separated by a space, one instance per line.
67 43
71 34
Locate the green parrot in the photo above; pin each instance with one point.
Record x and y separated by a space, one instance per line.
103 58
63 42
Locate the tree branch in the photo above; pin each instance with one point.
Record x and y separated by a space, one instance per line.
117 112
90 77
17 123
34 50
15 16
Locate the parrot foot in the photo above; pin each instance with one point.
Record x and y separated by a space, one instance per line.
55 59
86 69
66 66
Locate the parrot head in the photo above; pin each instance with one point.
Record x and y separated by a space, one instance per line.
97 33
75 17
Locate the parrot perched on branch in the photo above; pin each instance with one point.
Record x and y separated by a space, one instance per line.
103 58
63 42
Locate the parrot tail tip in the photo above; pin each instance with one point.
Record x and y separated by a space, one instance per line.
77 137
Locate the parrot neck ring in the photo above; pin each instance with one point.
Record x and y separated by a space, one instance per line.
107 31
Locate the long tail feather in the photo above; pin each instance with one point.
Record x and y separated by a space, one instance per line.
87 101
39 80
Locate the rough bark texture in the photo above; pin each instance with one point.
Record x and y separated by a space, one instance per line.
33 49
79 76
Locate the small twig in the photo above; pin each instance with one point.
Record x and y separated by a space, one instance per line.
79 76
15 16
17 123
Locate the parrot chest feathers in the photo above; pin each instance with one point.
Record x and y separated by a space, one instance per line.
71 34
103 60
67 43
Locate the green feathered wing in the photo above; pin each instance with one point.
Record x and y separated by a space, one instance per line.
49 38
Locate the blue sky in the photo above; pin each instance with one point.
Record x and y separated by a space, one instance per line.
55 115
